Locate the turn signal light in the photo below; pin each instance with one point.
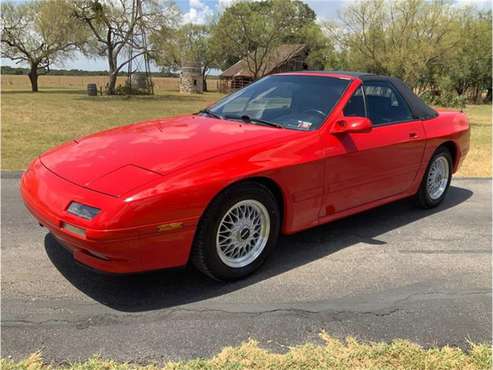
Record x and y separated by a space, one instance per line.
74 229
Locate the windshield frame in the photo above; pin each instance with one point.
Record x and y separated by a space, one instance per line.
318 127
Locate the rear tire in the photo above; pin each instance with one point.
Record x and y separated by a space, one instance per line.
237 232
436 180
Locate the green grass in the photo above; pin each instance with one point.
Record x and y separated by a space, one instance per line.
478 161
32 123
334 354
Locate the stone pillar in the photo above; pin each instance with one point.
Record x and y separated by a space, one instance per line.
191 79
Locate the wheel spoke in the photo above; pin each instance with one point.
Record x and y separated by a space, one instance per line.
243 233
438 177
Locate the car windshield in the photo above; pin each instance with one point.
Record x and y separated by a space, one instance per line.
298 102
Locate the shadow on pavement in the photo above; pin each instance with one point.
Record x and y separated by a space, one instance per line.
164 289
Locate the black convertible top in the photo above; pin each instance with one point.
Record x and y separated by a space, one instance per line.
419 108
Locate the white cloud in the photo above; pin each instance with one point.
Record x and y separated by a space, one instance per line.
196 4
199 13
223 4
327 9
482 4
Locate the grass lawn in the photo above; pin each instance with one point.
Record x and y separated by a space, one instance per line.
478 161
334 354
32 123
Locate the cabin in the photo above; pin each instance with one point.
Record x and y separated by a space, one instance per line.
284 58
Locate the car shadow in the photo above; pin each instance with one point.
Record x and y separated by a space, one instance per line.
168 288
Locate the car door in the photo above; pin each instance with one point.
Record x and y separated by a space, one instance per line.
363 167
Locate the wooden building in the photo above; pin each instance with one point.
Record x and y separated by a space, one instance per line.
285 58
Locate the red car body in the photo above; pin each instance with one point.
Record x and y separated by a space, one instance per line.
154 180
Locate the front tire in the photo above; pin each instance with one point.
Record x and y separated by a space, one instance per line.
237 232
436 180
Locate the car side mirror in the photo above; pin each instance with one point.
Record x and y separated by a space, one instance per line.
351 124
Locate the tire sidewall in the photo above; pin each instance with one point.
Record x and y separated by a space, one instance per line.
215 214
441 152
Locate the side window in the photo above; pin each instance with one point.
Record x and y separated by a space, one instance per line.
385 105
355 107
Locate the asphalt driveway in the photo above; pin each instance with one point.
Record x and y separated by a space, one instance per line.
393 272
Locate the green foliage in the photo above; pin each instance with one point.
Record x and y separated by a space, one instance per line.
442 51
38 33
446 98
469 68
190 43
187 44
251 30
115 27
321 49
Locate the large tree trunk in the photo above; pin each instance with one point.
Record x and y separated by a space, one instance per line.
33 77
113 73
112 83
477 95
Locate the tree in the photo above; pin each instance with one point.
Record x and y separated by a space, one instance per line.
251 30
442 51
405 38
118 25
39 33
188 44
468 70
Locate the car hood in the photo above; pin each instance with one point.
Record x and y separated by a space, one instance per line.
120 159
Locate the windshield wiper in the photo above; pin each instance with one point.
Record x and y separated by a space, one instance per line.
210 113
248 119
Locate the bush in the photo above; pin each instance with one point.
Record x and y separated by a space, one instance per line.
446 99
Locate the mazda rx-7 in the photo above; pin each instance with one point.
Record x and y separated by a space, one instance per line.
216 188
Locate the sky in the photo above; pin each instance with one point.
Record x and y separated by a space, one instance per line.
199 11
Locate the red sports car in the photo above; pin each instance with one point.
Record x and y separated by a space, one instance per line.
289 152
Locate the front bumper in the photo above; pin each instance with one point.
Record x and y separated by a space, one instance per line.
115 250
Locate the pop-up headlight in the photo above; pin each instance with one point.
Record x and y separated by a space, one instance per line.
82 210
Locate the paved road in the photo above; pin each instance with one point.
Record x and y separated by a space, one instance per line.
394 272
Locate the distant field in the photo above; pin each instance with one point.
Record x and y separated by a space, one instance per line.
18 82
32 123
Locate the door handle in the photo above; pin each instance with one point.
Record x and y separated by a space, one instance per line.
413 135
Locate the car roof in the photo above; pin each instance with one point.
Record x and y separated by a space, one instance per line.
359 75
418 107
351 74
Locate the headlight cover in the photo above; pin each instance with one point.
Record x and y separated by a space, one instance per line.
82 210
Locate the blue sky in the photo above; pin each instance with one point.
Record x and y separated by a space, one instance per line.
199 11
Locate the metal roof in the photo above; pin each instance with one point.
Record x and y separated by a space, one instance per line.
277 57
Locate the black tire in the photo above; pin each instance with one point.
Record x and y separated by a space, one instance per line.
423 198
205 256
